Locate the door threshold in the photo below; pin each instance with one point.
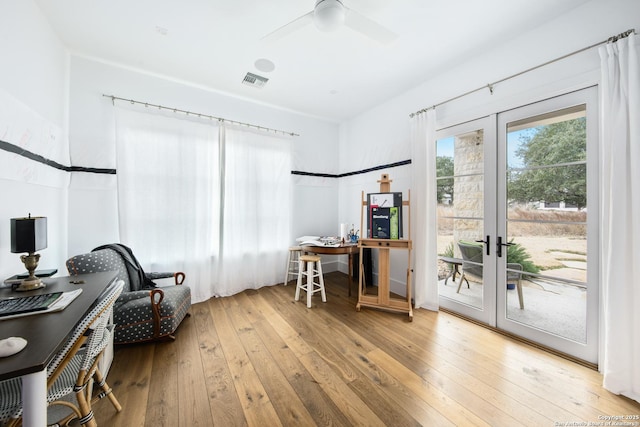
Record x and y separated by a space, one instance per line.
515 337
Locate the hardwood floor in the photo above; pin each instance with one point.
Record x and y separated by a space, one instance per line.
260 359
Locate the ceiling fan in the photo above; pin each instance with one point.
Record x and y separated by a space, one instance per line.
329 15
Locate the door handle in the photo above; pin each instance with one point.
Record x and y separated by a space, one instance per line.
499 246
487 244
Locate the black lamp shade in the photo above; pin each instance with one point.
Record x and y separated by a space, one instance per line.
28 234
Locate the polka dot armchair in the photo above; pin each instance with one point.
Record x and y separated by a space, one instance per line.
142 312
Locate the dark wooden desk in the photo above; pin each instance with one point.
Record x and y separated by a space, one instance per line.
344 249
45 334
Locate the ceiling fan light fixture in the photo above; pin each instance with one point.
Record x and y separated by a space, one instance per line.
328 15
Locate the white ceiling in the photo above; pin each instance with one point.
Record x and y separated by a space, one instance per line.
214 43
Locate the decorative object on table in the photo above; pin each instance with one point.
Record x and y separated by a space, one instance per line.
353 235
29 235
12 345
343 232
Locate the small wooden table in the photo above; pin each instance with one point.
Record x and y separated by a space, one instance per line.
454 262
344 249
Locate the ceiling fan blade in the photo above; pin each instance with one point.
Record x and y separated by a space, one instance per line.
360 23
289 28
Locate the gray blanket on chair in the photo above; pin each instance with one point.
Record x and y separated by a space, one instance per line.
138 280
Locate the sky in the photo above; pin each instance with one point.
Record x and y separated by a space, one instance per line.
445 147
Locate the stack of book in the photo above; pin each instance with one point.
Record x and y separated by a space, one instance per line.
385 215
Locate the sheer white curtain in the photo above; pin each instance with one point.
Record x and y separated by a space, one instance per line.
423 209
168 194
211 201
256 209
620 198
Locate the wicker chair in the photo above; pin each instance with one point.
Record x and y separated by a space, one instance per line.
143 312
73 367
472 254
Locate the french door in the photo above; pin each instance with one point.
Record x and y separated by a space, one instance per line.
466 213
517 222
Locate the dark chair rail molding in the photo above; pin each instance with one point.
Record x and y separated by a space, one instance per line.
11 148
358 172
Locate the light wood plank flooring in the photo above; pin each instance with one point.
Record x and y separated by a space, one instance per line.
260 359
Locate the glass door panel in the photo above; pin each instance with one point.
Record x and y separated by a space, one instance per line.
460 177
544 223
517 219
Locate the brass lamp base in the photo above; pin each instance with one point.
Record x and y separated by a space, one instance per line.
31 283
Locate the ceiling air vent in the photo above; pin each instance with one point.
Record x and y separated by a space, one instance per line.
255 80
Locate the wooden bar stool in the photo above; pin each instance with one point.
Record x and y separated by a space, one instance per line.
292 263
312 270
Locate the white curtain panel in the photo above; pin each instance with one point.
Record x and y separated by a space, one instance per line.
211 201
256 206
168 194
423 209
620 199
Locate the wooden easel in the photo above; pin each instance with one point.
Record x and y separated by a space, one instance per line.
384 300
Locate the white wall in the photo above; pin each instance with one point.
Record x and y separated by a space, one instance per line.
93 199
33 74
381 135
39 73
36 71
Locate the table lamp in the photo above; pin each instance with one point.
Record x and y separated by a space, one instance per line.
29 235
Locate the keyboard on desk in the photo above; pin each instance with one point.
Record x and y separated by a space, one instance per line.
27 304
